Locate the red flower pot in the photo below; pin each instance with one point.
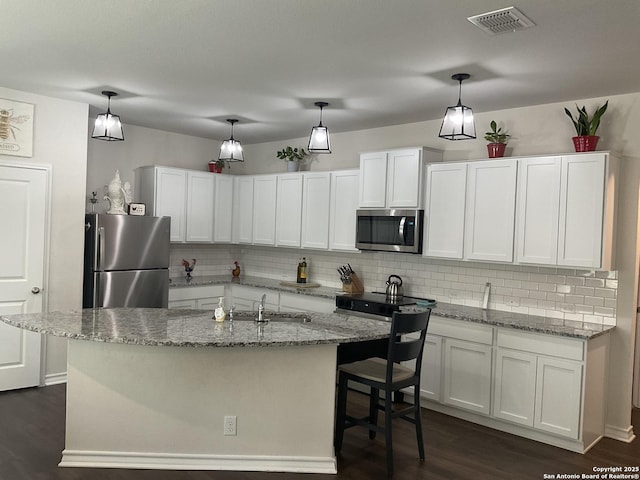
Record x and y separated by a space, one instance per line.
585 143
213 168
496 150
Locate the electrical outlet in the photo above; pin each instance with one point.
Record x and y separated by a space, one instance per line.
230 425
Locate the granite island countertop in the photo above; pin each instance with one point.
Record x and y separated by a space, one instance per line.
196 328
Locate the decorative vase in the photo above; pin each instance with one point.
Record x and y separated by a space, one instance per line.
496 150
585 143
215 168
292 166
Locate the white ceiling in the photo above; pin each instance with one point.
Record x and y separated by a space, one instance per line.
187 65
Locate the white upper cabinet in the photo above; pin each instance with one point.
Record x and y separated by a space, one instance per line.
315 210
445 210
566 208
582 204
373 180
163 190
200 186
289 210
243 209
393 179
264 209
490 210
223 208
343 206
404 171
538 210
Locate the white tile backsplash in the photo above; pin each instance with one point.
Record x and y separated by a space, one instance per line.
573 294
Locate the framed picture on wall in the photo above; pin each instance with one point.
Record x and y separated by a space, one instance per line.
16 128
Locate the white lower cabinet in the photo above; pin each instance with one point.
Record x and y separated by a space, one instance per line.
291 302
547 387
467 375
558 396
200 297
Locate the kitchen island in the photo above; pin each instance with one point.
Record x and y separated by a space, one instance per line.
173 389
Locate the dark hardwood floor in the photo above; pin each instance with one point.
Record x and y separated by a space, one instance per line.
32 439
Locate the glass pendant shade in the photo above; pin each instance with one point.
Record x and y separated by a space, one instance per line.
458 121
231 149
319 141
108 126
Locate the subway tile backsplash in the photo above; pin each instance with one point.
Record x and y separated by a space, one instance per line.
573 294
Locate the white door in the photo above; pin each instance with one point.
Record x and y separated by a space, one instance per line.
343 206
315 210
22 245
289 209
404 171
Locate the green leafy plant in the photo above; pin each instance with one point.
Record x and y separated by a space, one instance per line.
496 135
292 154
585 125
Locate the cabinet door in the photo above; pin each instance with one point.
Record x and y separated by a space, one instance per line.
183 304
490 210
445 210
581 210
264 210
170 200
343 206
289 210
514 387
467 375
315 210
291 302
199 207
243 209
538 209
558 397
222 208
373 180
404 171
430 375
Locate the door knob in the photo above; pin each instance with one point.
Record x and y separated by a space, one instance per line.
35 290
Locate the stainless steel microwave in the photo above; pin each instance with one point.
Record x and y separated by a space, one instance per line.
389 230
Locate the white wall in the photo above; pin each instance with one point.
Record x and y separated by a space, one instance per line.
60 140
143 146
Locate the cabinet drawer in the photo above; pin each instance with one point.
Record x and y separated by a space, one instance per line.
200 291
469 331
541 344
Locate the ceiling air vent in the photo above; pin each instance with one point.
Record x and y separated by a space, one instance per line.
504 20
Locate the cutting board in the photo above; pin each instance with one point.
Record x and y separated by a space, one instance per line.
300 285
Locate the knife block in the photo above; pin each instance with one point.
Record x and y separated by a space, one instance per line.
355 286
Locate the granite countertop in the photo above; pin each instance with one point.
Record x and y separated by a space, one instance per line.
531 323
195 328
519 321
249 281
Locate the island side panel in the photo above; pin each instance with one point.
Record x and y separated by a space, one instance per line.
137 406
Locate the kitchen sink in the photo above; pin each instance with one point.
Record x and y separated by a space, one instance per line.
272 317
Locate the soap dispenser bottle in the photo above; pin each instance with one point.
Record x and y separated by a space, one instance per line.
219 313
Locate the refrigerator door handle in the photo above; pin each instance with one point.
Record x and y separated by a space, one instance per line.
97 292
100 248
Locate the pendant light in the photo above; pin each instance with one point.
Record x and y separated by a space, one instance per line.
458 119
231 150
108 126
319 138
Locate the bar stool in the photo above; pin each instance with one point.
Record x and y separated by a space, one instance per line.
387 375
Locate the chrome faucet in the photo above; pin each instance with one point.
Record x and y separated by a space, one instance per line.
261 308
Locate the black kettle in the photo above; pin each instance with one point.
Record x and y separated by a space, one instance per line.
394 287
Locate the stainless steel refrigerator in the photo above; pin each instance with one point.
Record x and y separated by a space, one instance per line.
126 261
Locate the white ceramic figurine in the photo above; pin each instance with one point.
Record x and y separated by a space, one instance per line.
118 195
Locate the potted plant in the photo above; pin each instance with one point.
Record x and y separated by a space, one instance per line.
497 139
216 166
586 128
292 156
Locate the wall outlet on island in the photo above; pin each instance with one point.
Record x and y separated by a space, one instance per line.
230 425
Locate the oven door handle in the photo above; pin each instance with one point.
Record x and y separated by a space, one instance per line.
401 231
